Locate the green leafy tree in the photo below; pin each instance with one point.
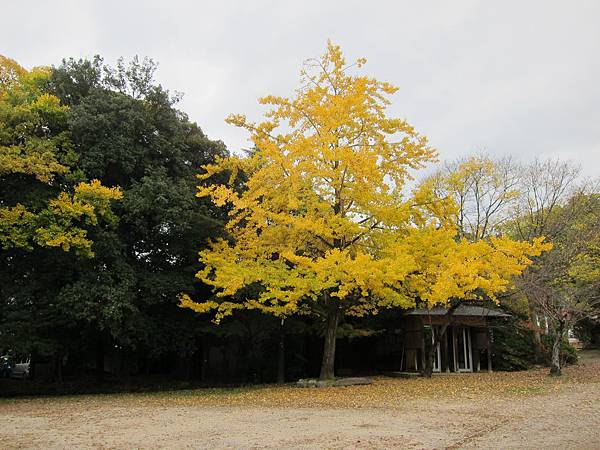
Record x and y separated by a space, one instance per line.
118 283
564 283
127 131
49 210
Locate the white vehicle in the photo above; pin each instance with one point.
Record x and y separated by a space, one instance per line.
21 368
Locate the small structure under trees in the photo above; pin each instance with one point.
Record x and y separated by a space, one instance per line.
442 339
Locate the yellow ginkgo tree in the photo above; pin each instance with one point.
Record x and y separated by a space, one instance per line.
321 225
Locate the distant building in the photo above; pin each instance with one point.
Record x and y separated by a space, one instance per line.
465 344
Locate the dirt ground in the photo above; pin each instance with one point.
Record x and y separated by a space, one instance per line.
498 410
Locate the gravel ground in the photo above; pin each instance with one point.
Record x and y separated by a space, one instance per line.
499 410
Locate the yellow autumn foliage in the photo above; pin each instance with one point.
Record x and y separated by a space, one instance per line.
30 146
322 221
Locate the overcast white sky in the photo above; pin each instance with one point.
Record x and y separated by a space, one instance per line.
507 77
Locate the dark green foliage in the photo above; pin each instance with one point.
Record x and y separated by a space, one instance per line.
125 131
128 133
513 345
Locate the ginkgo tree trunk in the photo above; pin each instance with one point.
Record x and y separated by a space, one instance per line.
321 225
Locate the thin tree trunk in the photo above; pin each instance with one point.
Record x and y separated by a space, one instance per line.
188 367
432 339
537 338
327 366
444 360
429 348
281 355
32 365
555 368
100 357
58 376
205 358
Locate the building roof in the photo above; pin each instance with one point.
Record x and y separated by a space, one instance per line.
461 310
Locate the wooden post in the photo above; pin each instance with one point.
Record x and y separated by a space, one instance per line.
422 350
469 347
444 360
489 350
455 348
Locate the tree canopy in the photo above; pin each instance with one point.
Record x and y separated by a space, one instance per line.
322 225
36 151
65 134
109 194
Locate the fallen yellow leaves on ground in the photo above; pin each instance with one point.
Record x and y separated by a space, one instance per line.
385 392
389 392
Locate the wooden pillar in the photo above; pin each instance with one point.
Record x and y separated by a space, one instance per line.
422 350
444 360
489 350
455 349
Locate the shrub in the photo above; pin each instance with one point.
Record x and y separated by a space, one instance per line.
513 346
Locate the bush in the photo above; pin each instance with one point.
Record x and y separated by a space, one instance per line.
513 346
